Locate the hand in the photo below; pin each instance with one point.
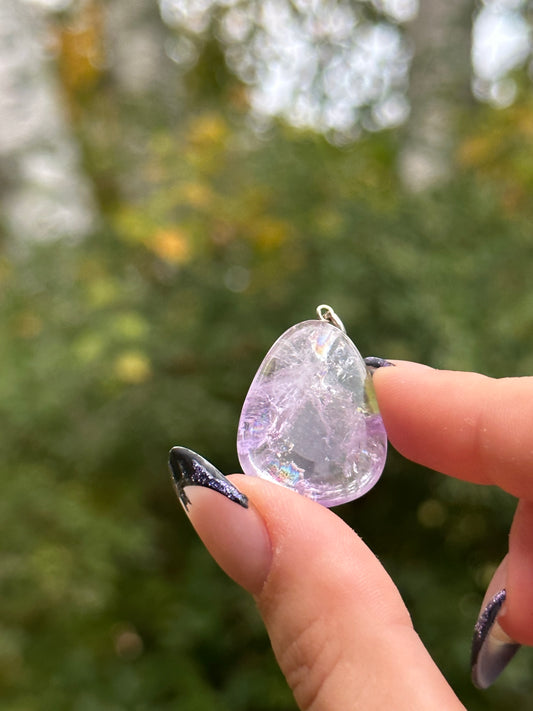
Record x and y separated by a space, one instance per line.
339 629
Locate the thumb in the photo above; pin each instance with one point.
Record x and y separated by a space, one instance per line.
339 629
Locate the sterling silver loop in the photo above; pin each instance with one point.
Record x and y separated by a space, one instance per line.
326 313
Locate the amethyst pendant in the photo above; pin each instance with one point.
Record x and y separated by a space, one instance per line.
310 420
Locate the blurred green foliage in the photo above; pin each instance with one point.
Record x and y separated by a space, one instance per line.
147 334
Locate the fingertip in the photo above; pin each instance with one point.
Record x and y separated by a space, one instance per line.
431 416
393 385
404 403
517 615
236 537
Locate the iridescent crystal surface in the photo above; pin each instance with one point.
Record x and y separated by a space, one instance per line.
310 420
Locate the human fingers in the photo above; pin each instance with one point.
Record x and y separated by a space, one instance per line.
492 647
506 617
339 629
478 429
517 615
463 424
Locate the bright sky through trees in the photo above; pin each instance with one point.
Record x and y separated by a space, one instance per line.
369 64
362 63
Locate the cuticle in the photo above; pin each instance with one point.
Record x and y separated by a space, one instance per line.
268 576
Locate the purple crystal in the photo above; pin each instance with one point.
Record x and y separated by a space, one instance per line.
310 420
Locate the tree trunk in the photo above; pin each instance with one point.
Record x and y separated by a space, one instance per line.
43 192
439 92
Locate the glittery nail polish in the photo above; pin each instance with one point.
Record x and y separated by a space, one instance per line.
190 469
373 363
492 648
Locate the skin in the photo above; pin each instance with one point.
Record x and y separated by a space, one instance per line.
478 429
338 626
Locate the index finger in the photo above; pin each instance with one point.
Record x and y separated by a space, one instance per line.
463 424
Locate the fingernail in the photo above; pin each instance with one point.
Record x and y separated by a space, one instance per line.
492 648
236 536
373 363
190 469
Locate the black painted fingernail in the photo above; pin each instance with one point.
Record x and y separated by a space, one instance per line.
373 363
190 469
492 648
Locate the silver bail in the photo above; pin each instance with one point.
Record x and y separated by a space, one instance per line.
326 313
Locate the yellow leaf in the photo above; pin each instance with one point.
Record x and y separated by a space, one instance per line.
132 223
130 325
103 291
269 233
132 367
476 150
196 194
207 130
89 348
171 245
81 48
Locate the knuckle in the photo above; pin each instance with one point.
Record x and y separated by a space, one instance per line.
308 658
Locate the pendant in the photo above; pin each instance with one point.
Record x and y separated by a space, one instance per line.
310 420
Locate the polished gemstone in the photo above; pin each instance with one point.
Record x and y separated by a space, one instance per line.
310 420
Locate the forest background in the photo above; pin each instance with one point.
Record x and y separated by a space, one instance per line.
179 183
